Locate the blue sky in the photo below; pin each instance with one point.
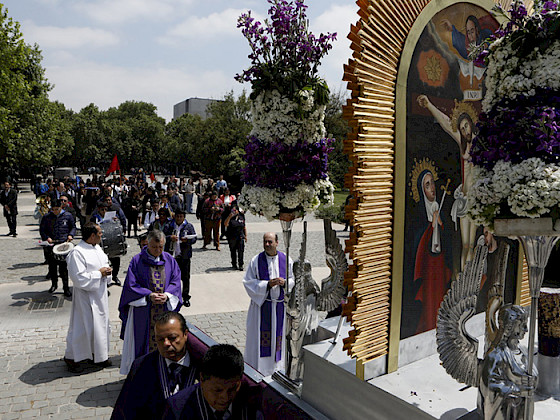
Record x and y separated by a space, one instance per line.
158 51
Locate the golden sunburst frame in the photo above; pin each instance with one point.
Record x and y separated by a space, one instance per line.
382 43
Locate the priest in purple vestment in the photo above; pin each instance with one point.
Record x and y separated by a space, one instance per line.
265 283
152 287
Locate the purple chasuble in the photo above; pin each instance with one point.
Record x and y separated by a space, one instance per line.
266 309
145 276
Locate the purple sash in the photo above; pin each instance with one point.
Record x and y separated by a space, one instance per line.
266 309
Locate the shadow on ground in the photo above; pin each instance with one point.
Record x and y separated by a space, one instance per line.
219 269
45 372
23 298
110 392
34 279
22 266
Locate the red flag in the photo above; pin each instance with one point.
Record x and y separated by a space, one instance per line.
114 166
152 177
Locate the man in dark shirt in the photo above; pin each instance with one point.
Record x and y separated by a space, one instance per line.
237 236
179 239
56 227
153 378
219 394
8 199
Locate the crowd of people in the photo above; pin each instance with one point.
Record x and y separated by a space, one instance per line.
154 354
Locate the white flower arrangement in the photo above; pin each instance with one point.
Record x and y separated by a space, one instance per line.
507 76
268 202
530 189
275 117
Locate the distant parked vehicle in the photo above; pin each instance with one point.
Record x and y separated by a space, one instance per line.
61 173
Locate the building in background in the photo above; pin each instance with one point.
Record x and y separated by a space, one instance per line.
194 106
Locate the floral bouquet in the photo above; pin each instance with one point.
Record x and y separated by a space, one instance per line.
287 154
516 153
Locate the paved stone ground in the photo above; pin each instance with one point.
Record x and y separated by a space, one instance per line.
35 384
34 381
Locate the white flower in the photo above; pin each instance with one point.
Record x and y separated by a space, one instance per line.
268 202
275 117
508 77
529 189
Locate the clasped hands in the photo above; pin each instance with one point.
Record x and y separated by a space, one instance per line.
158 298
278 281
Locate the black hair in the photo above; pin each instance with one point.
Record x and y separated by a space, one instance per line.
165 317
222 361
88 229
56 203
180 211
476 24
164 211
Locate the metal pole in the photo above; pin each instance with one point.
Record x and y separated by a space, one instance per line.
537 251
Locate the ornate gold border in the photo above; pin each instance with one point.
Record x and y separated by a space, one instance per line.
383 42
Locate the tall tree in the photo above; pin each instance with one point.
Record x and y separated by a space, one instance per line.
337 128
30 129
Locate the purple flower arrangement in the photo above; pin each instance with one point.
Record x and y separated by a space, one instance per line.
285 55
516 150
286 157
525 31
283 167
516 130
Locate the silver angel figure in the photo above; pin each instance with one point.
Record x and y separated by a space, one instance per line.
502 377
505 386
305 299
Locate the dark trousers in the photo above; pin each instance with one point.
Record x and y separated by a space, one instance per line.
116 265
236 249
133 221
185 266
57 267
202 224
212 227
12 223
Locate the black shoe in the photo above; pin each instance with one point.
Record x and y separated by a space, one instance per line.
186 303
45 263
14 235
234 266
240 268
53 289
104 364
48 276
73 366
117 281
67 293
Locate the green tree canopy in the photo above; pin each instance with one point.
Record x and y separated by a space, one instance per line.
31 127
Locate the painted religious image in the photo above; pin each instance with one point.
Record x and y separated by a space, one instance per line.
444 92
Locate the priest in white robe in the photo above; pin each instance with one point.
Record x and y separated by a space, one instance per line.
265 283
89 331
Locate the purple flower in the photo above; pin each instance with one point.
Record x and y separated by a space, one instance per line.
285 55
283 167
518 129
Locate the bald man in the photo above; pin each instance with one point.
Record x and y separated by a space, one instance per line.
265 283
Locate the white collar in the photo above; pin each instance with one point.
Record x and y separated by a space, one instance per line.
185 361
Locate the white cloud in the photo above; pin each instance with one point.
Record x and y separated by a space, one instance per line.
119 11
69 37
336 19
80 84
213 26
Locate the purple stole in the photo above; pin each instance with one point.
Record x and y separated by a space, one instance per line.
266 309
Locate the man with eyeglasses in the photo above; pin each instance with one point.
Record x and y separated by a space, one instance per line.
67 206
